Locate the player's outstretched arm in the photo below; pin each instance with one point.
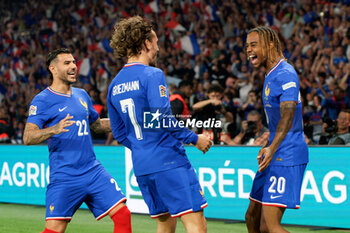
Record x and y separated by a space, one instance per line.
34 135
101 126
203 143
284 125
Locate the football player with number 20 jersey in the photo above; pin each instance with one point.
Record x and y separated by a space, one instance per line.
282 161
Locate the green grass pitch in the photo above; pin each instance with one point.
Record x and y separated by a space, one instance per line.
30 219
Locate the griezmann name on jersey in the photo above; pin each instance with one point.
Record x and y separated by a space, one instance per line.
135 91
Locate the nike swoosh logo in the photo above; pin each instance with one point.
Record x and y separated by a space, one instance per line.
61 109
274 197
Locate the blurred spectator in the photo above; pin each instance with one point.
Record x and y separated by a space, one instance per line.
179 100
337 132
253 133
6 129
335 103
18 134
251 104
212 109
315 120
339 56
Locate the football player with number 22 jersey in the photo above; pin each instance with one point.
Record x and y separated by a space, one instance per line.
63 115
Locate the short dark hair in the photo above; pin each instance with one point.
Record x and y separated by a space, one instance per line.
255 113
52 56
215 88
252 91
185 83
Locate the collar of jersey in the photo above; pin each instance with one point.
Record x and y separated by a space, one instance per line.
58 93
273 68
133 63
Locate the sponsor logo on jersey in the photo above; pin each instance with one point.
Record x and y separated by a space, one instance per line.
289 85
62 109
274 197
32 110
162 91
267 91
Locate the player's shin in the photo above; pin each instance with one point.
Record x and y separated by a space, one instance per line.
122 220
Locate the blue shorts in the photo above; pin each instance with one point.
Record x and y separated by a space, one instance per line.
96 188
176 192
278 186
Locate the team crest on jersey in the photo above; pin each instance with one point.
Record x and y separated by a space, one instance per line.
32 110
84 104
201 192
267 90
162 91
52 207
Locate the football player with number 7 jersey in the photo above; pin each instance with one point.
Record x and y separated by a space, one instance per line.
63 115
141 119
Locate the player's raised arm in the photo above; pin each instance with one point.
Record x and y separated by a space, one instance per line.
101 125
34 135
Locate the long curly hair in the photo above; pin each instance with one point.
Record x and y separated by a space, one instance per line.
269 36
129 36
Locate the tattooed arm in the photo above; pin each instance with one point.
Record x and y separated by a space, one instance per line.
284 125
34 135
101 126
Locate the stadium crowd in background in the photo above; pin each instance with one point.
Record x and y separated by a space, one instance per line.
201 42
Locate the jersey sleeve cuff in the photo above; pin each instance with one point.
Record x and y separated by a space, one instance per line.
194 138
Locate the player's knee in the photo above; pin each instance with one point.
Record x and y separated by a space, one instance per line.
204 224
263 227
122 220
249 217
123 215
204 228
55 226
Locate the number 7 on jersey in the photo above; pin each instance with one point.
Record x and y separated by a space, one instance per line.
128 106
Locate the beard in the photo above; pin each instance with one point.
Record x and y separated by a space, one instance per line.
67 81
154 60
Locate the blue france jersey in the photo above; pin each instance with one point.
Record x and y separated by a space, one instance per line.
282 84
71 153
136 92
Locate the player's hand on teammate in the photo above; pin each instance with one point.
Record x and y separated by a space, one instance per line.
63 124
264 158
203 143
